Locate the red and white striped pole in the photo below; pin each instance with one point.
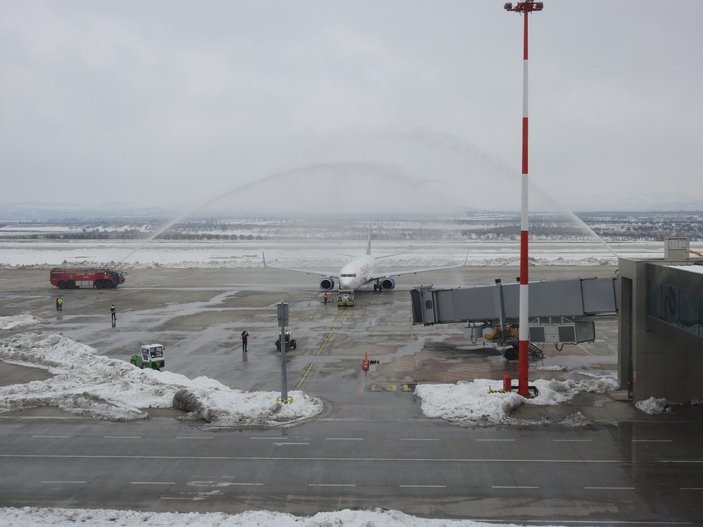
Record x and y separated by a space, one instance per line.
524 336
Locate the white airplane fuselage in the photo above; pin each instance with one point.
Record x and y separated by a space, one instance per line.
357 272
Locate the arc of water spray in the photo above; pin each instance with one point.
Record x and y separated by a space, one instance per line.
457 145
394 172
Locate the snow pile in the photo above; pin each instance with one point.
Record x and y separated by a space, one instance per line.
18 321
653 406
92 385
31 516
482 402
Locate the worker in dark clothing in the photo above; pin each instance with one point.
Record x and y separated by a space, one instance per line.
113 314
245 338
59 304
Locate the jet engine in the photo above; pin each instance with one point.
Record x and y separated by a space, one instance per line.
388 283
327 283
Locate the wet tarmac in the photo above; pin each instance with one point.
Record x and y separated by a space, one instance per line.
198 314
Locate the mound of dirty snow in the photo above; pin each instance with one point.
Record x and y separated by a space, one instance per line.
89 384
31 516
17 321
482 402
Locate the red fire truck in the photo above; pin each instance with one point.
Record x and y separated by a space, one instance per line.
74 277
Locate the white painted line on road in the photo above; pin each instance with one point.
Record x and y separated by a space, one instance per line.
195 437
287 444
52 437
122 437
344 438
152 482
67 482
419 439
423 486
513 487
497 439
577 461
233 484
691 488
331 485
343 420
573 440
652 440
609 488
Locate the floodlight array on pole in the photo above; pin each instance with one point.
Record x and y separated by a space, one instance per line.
525 8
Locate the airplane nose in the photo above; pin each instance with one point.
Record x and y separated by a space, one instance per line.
344 283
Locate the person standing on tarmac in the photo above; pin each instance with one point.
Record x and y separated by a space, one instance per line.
325 297
245 338
113 314
59 304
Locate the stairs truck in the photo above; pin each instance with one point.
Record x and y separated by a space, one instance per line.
75 277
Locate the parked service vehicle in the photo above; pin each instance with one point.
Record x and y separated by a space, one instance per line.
290 342
149 356
345 298
74 277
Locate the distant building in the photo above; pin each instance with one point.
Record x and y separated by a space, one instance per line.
660 337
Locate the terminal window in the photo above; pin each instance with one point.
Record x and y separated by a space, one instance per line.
679 307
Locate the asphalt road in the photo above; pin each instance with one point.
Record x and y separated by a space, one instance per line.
626 474
372 447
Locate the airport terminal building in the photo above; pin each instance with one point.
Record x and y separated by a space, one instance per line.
660 327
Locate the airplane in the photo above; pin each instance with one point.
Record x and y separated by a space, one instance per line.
361 271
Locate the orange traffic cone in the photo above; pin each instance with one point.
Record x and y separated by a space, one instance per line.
365 362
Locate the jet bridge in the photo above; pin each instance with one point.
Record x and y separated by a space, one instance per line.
560 311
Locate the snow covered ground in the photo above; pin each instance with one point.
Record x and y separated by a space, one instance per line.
89 384
311 253
30 517
115 390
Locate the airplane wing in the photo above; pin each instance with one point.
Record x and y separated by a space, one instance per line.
323 274
424 270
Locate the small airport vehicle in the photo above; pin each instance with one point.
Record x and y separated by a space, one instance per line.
290 342
74 277
149 356
345 298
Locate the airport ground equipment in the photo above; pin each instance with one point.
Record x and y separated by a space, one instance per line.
74 277
290 342
345 298
149 356
561 311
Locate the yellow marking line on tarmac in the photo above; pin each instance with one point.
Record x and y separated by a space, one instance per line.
337 322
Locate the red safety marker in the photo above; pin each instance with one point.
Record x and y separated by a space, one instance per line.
365 362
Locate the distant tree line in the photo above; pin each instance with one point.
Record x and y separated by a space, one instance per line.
136 235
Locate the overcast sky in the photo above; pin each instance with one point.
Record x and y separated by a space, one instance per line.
389 103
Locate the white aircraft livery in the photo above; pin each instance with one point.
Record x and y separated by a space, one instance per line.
361 271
